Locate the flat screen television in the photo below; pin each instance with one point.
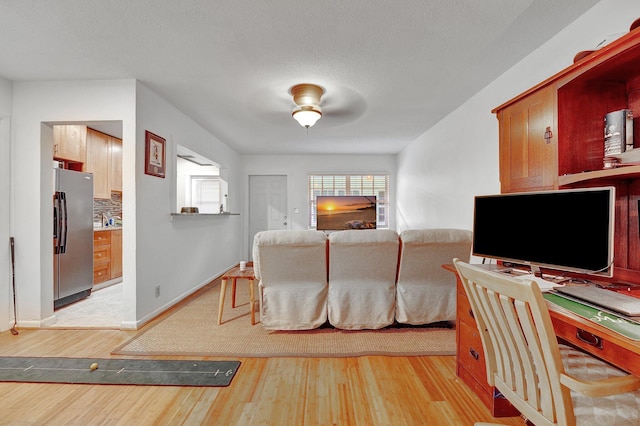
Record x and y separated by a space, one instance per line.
335 213
566 230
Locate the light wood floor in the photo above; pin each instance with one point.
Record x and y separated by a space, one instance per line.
267 391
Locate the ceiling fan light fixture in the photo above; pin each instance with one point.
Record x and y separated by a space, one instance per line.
307 97
307 115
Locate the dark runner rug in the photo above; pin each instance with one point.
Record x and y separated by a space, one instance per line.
117 371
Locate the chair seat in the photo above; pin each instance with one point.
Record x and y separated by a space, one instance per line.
620 409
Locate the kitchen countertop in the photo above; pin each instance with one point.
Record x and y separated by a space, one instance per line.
107 228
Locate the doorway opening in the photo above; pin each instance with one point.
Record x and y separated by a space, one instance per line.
88 276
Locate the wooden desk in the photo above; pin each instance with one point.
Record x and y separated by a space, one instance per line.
234 274
593 338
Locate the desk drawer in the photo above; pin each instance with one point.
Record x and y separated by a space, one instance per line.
470 353
464 312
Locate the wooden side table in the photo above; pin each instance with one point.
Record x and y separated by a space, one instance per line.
234 274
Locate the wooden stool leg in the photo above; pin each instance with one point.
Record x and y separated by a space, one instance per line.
223 290
233 292
252 299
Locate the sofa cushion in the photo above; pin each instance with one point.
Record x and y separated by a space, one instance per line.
362 273
286 240
291 269
426 292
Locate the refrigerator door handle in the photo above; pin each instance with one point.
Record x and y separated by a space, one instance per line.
63 223
56 222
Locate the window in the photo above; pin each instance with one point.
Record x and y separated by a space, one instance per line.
205 193
377 185
200 183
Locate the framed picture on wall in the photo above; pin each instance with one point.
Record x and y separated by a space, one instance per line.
154 155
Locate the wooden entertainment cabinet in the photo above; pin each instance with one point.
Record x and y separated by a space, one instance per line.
552 137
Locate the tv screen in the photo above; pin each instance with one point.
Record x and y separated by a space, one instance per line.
335 213
568 230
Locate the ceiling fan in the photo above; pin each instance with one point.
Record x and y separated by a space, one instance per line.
339 105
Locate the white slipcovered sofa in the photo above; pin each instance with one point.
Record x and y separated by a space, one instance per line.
426 292
356 279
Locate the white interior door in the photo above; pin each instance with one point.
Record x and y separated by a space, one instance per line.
267 205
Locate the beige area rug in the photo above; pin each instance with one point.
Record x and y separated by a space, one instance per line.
193 330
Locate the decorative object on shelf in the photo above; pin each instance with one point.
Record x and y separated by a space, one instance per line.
154 155
610 162
582 54
608 39
307 97
628 158
189 210
618 132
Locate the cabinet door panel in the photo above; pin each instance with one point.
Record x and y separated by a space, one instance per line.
116 253
528 150
115 165
69 143
98 163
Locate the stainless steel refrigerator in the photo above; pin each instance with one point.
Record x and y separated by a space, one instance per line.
72 236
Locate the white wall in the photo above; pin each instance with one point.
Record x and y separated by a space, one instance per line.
6 295
178 253
32 153
298 167
441 171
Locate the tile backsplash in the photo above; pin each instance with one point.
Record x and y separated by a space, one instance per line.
112 207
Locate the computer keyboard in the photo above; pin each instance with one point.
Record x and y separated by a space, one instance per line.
609 299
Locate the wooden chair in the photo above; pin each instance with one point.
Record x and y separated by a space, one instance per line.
550 384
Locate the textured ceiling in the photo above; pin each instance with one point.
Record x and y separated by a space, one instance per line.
391 69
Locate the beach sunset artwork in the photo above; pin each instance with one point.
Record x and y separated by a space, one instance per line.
336 213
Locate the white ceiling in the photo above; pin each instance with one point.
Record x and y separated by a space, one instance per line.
391 69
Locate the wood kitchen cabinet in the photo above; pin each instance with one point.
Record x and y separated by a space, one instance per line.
104 160
528 149
115 165
69 143
116 253
101 256
107 255
98 163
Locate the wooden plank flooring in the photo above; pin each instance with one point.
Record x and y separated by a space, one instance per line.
372 390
